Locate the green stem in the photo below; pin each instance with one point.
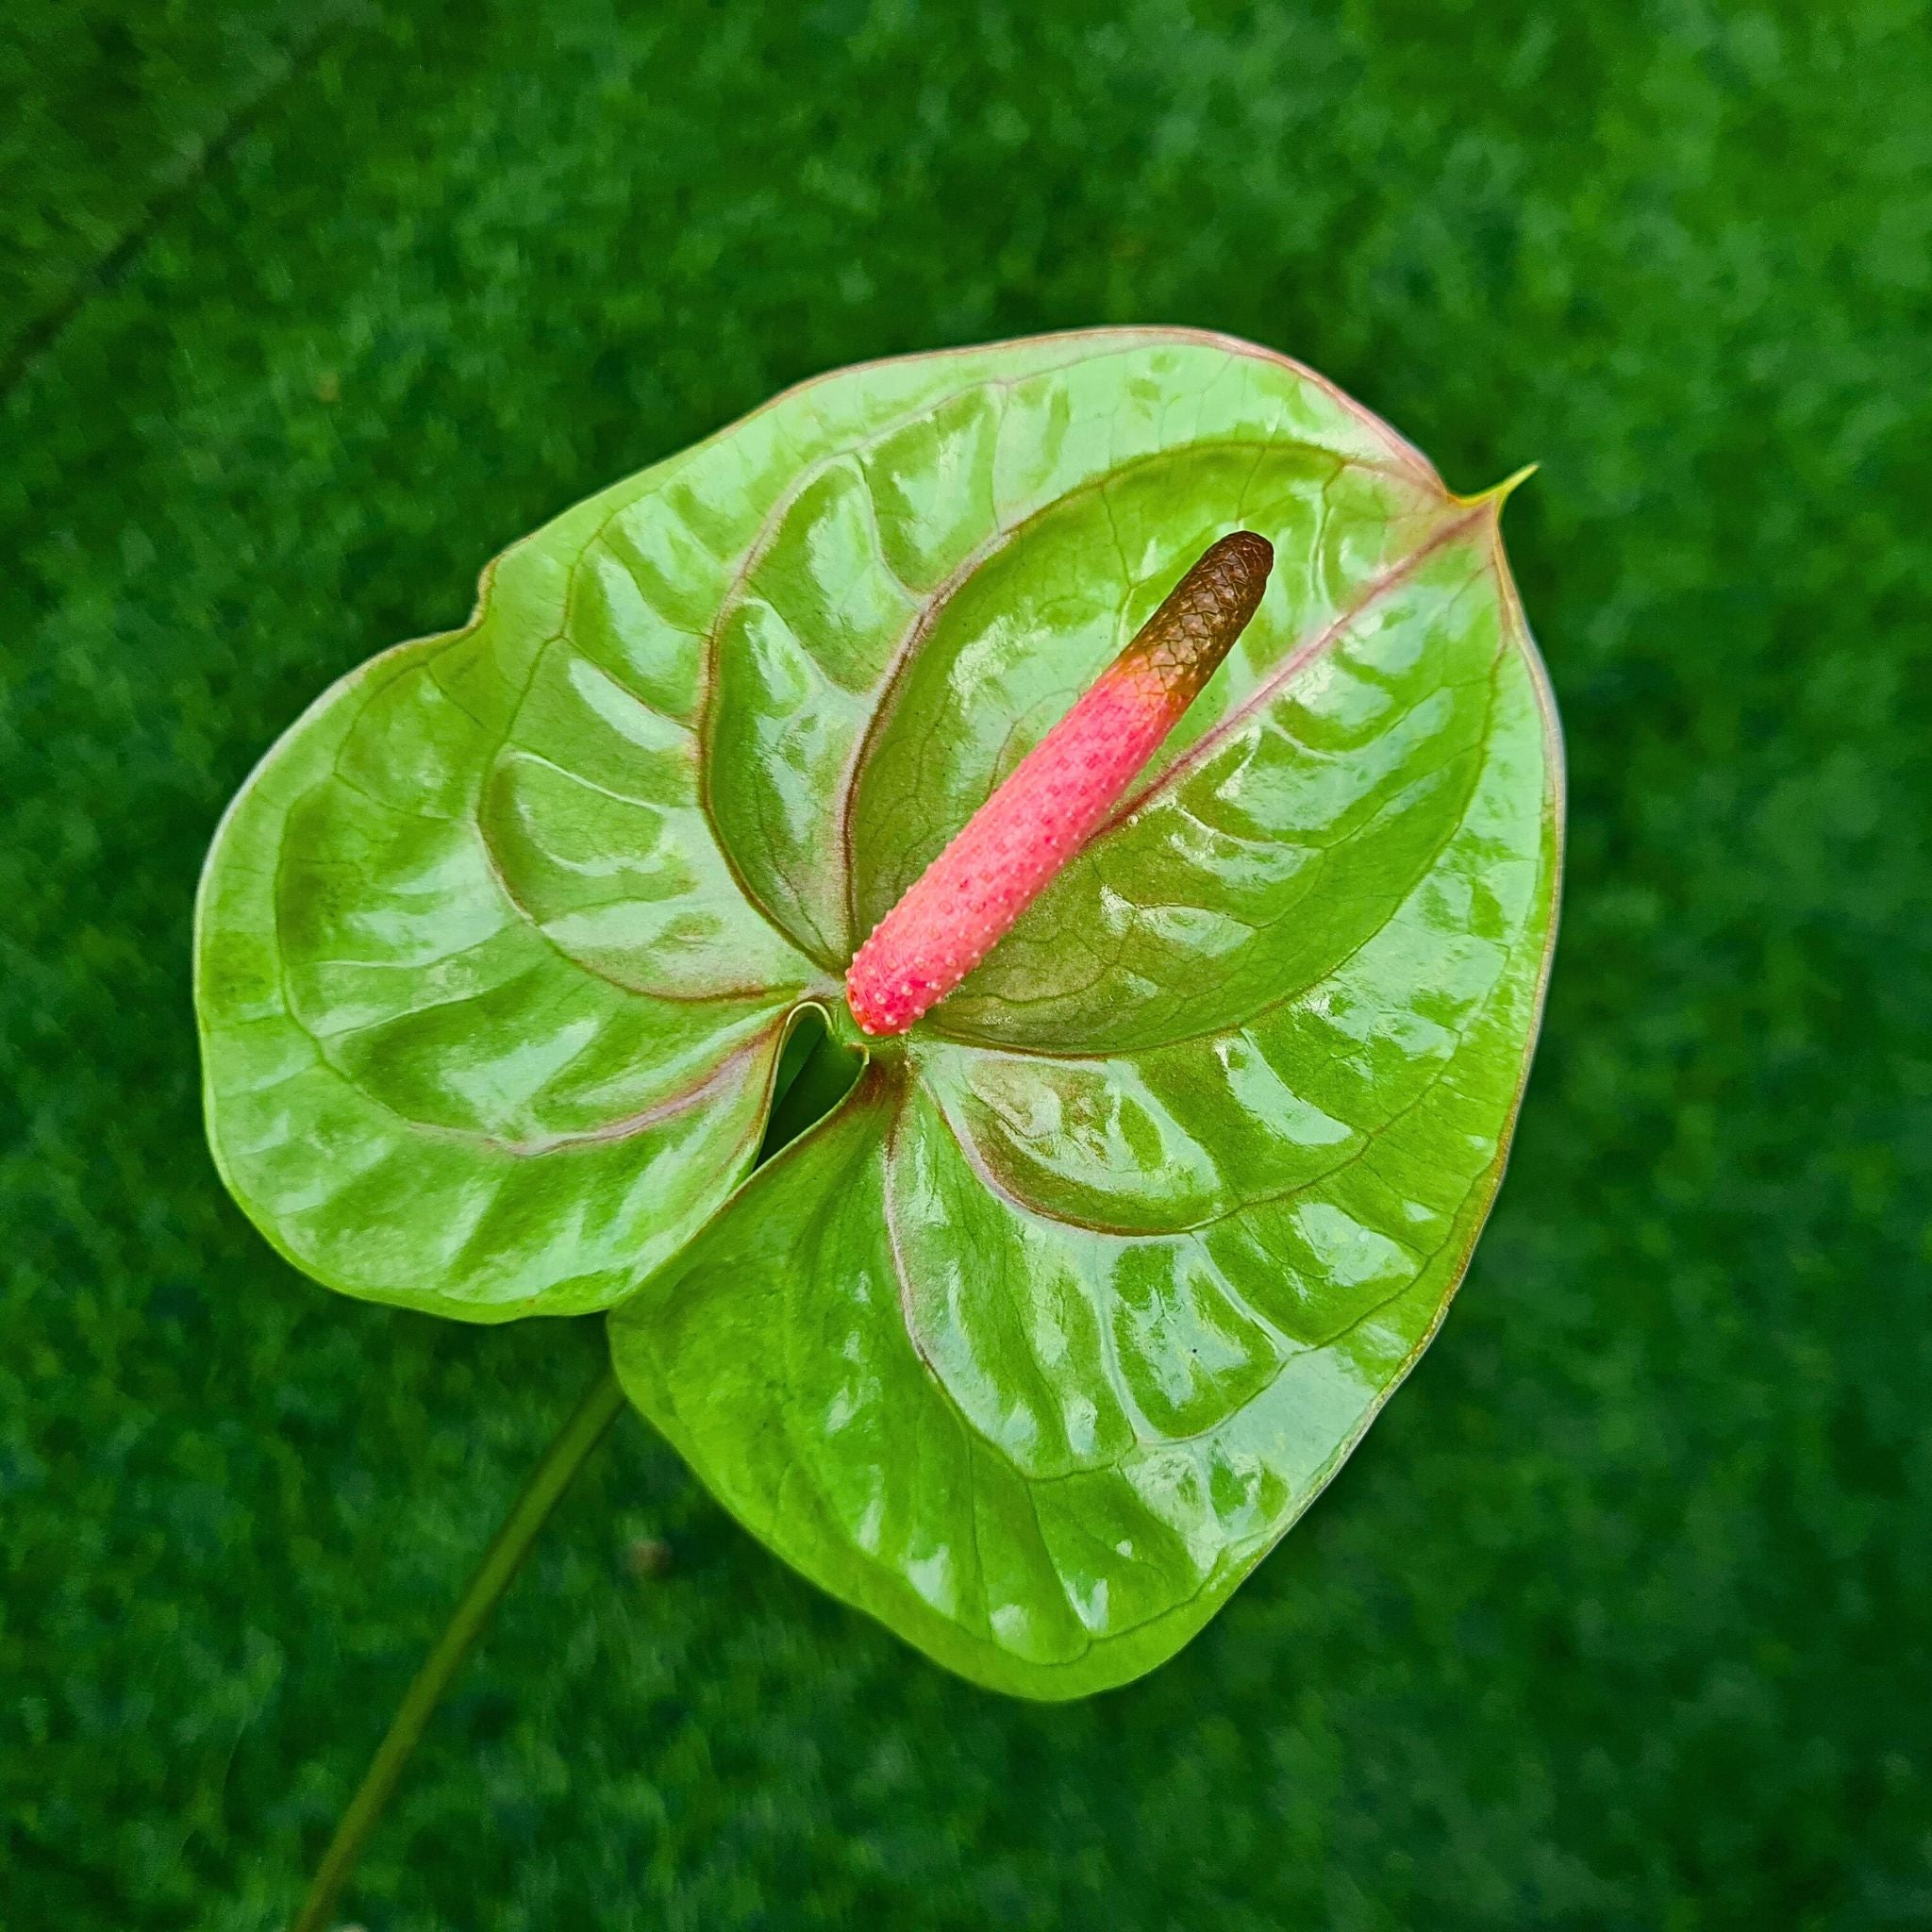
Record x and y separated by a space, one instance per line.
548 1480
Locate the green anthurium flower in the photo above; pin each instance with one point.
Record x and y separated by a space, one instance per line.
1049 1328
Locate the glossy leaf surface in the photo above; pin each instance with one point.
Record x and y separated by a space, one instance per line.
1047 1332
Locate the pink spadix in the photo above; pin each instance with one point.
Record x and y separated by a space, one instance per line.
1058 796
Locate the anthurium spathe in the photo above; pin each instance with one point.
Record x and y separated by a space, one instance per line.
1045 1332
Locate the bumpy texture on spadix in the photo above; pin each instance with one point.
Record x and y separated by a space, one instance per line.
1060 795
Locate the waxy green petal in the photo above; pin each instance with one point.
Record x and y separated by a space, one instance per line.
1051 1328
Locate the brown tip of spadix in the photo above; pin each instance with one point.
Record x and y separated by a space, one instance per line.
1243 559
1196 625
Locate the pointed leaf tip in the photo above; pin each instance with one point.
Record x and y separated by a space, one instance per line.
1500 493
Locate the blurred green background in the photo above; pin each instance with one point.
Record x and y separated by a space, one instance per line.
1623 1615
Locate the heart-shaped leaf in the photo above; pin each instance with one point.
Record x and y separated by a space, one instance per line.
1051 1327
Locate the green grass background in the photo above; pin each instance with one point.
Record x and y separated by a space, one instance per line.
1623 1615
